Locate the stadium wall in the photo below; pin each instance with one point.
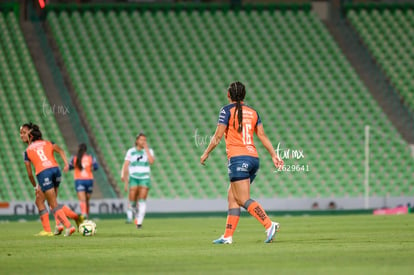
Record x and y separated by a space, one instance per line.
176 6
165 207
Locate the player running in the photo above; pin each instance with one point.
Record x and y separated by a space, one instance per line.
136 174
39 153
238 122
83 164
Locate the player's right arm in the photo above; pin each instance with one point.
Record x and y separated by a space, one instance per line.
222 124
124 174
214 141
72 163
95 165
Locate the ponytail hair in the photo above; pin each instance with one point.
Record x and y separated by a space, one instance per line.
81 151
34 132
237 92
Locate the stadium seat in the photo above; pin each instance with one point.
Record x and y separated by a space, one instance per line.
22 99
166 73
388 36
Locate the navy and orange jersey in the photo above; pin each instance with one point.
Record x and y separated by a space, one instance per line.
40 153
239 144
88 163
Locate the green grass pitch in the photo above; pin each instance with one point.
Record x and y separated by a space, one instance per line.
343 244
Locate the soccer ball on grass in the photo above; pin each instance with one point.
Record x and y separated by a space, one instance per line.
87 228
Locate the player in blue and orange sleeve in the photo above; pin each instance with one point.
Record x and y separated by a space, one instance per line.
40 198
83 164
238 122
40 154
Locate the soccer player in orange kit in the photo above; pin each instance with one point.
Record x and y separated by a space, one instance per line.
40 198
40 154
238 122
83 164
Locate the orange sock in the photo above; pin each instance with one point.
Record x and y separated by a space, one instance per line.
256 210
60 217
69 213
233 218
44 218
83 208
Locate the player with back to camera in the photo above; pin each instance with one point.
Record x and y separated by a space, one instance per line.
136 174
83 164
40 198
238 122
40 154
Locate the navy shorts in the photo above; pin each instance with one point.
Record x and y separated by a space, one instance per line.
84 186
49 178
243 167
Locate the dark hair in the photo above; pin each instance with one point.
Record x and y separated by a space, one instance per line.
141 134
27 125
237 92
81 150
34 131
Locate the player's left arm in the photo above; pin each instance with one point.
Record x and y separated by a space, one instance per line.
268 145
62 154
214 141
30 173
150 156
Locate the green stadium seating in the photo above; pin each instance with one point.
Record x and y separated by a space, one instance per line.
22 99
165 72
388 34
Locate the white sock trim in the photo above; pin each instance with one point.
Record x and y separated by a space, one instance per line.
142 209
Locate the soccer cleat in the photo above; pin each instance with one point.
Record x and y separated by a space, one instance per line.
70 231
271 232
44 234
223 240
139 226
58 229
79 220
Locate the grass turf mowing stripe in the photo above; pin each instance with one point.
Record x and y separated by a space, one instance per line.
361 244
